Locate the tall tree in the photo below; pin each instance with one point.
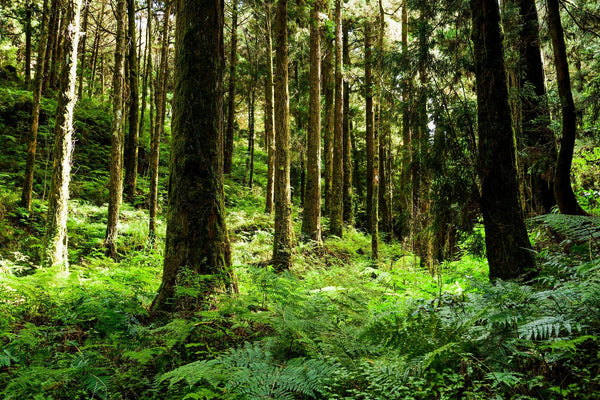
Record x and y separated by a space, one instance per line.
372 146
565 198
507 244
55 242
197 248
231 93
311 222
160 99
116 138
282 240
328 118
337 182
82 49
28 12
269 111
27 193
133 137
348 192
536 116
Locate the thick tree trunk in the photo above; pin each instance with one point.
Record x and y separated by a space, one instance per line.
282 240
348 192
337 185
508 247
197 252
116 139
311 222
160 99
133 138
228 156
27 193
269 113
328 121
55 241
567 202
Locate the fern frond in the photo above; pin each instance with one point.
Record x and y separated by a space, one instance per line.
578 228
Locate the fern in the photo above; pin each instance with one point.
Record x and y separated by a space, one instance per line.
577 228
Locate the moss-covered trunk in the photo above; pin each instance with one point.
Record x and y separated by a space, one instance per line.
197 252
269 113
508 247
133 137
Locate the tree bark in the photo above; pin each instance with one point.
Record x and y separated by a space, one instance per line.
116 138
82 50
133 138
282 246
328 121
508 247
197 252
348 191
27 193
311 221
160 99
337 207
407 148
28 43
567 202
251 134
231 95
55 241
370 126
269 113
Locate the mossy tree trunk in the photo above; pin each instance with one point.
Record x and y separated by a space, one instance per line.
55 242
370 131
407 148
231 93
269 113
27 193
565 198
82 45
282 240
133 137
197 252
348 195
336 219
116 138
311 222
508 247
328 120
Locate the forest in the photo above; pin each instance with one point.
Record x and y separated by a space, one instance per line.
311 199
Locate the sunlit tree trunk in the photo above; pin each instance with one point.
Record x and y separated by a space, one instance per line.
197 251
55 242
133 137
116 139
27 193
567 202
231 94
337 185
348 191
96 48
82 49
311 222
269 113
370 127
328 121
407 150
282 239
507 244
251 136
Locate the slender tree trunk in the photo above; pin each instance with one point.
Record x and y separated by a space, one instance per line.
82 49
55 241
337 206
116 139
282 246
96 48
269 112
407 149
231 94
133 138
251 134
52 33
197 252
567 202
370 125
328 121
508 247
147 61
348 191
311 222
58 46
157 131
28 43
27 193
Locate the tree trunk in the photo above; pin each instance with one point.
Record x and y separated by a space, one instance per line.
508 247
82 50
567 202
58 49
251 134
147 61
160 94
55 241
197 252
96 49
228 157
348 192
370 126
328 121
27 193
116 139
269 113
28 43
407 149
337 207
133 138
282 246
52 34
311 221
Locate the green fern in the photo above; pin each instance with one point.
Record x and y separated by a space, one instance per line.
577 228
